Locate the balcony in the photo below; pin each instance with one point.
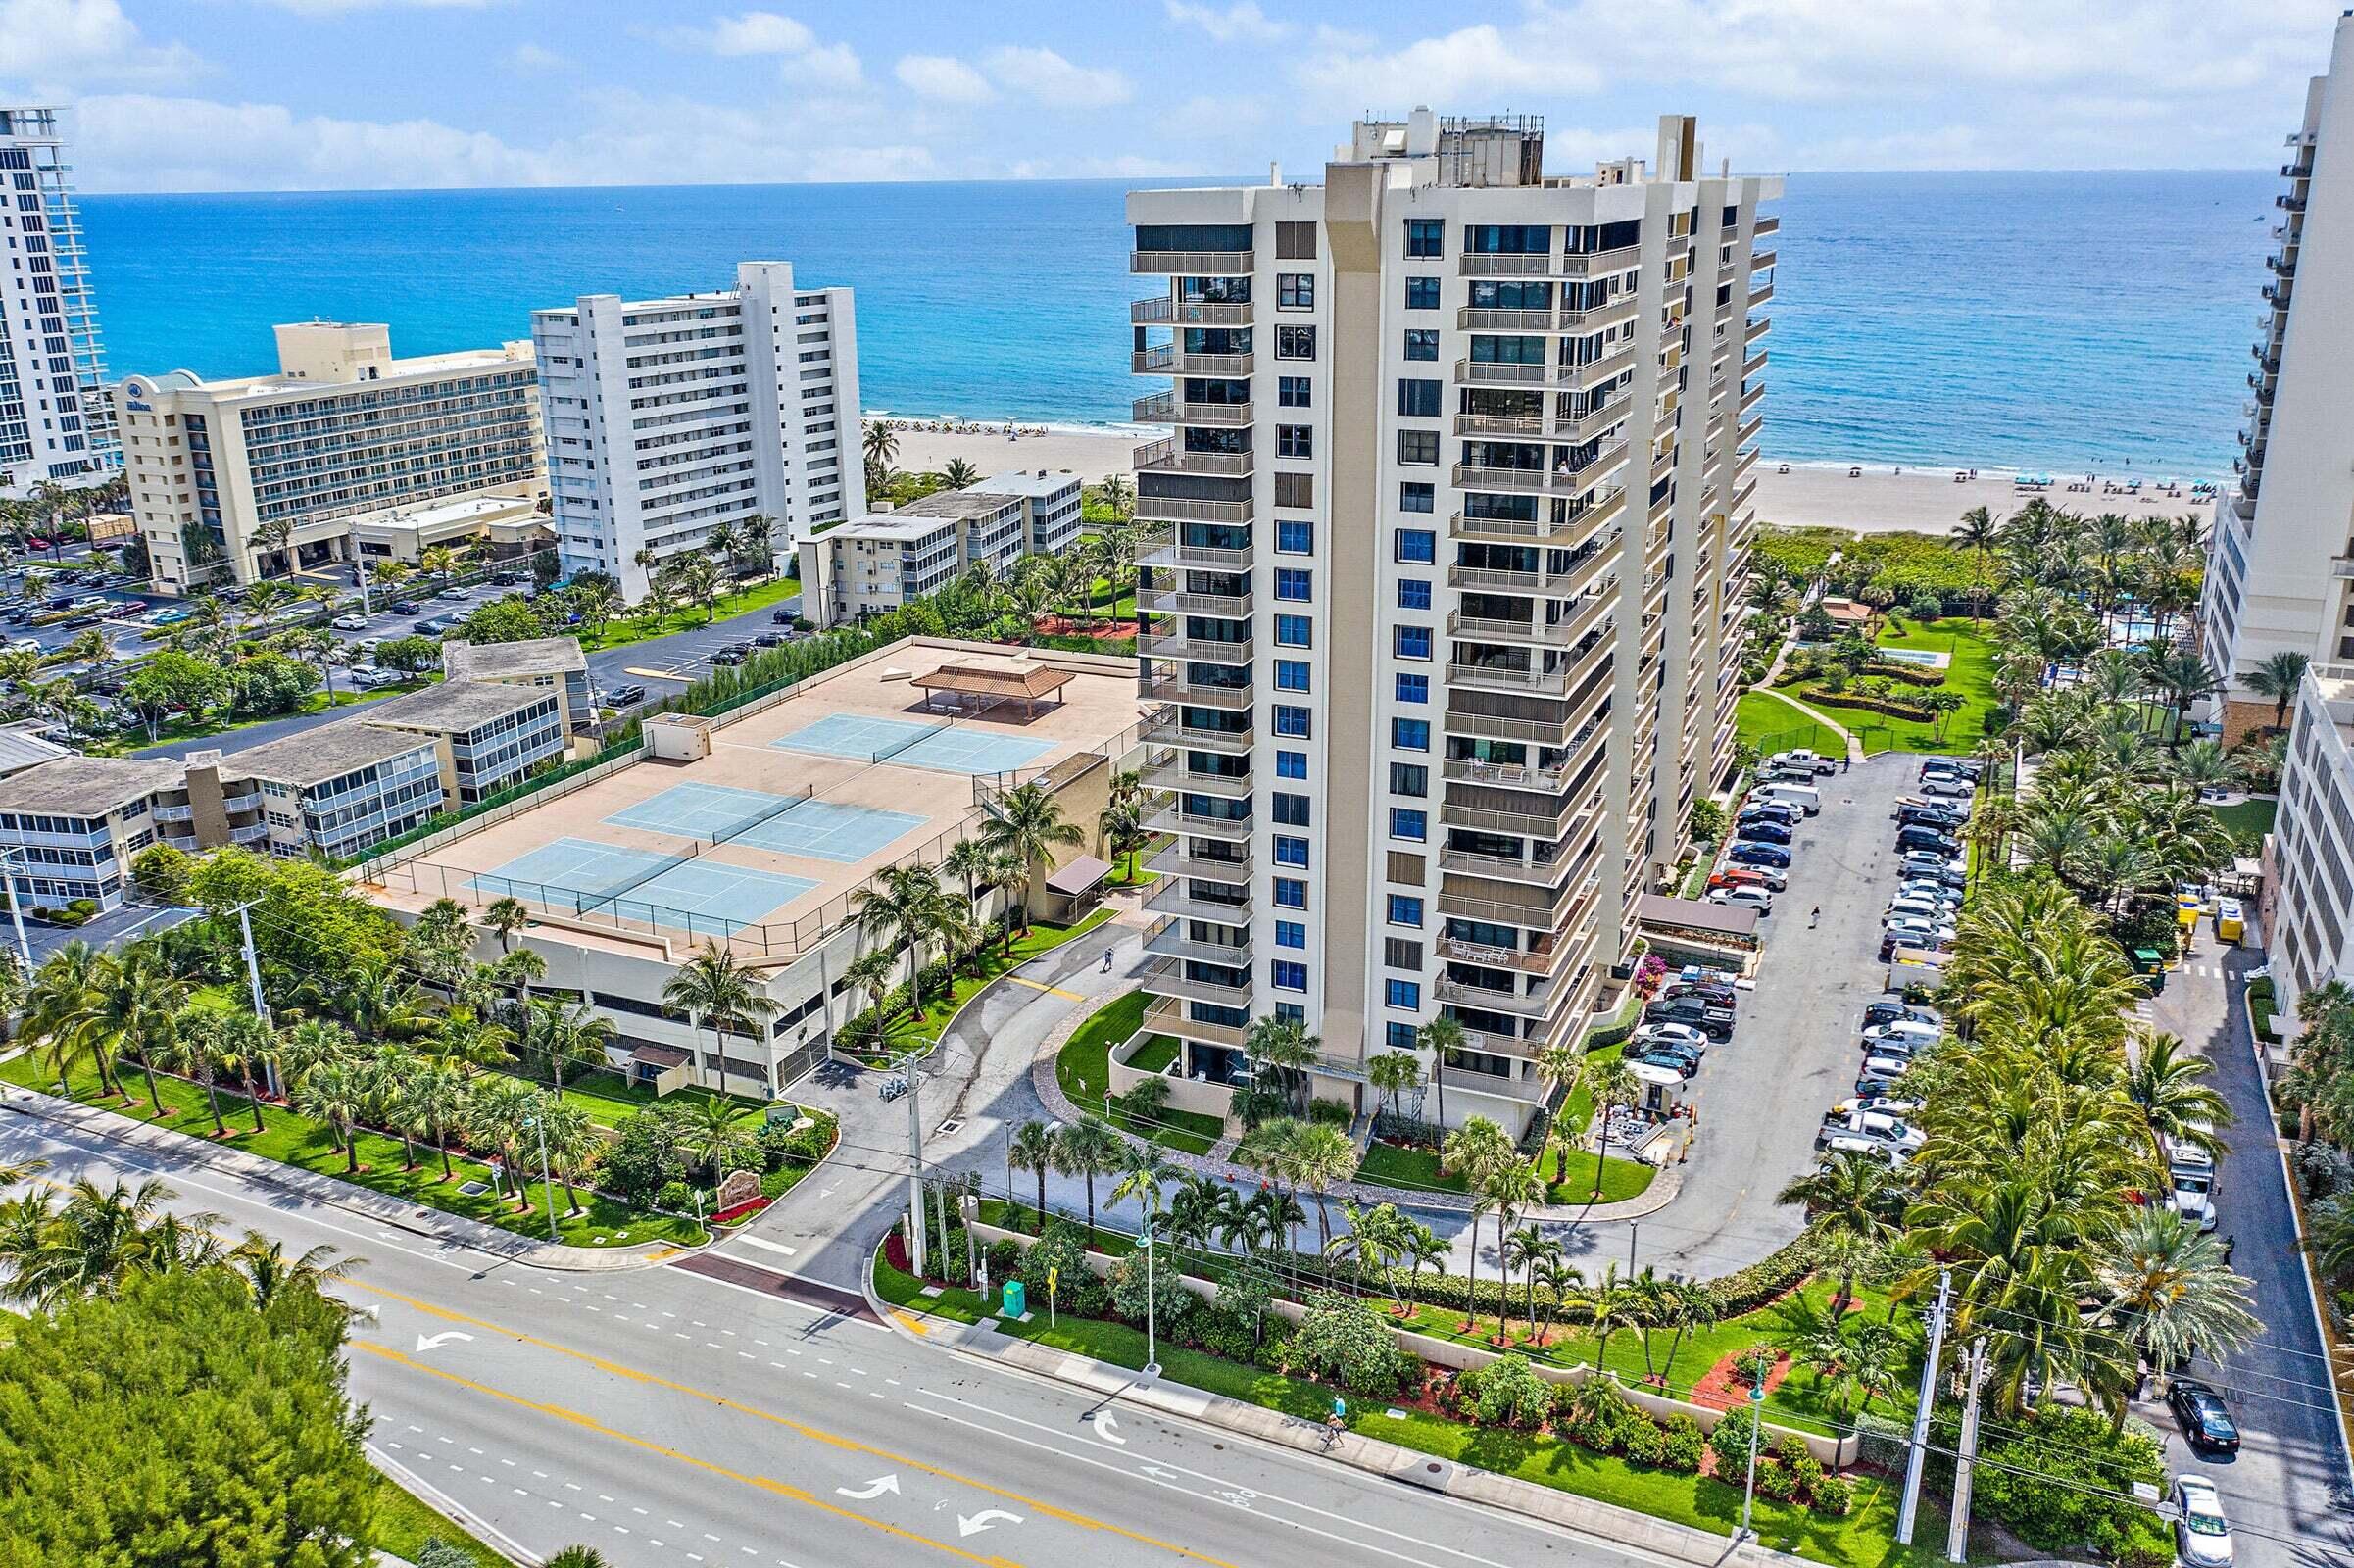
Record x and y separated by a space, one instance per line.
1755 330
1168 361
1171 555
1474 265
1168 978
1621 308
1569 582
1169 896
1168 940
1483 318
1485 372
1193 263
1172 773
1165 457
251 833
1581 524
1194 650
1169 600
251 801
1500 678
1173 508
1595 264
163 813
1577 427
1168 1018
1503 868
1760 260
1765 226
1549 825
1749 430
1752 365
1162 407
1162 311
1176 819
1168 729
1758 296
1181 861
1506 775
1172 686
1531 1005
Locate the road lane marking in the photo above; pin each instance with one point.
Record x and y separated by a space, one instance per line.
1052 991
805 1428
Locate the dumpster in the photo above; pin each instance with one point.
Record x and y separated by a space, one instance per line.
1016 1300
2230 924
2150 964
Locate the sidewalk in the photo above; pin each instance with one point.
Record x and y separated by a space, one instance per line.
1620 1527
456 1230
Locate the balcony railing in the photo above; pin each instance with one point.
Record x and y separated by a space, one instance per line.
1592 263
1485 319
1759 260
1168 978
1174 508
1193 649
1762 293
1168 1018
1582 523
1162 311
1176 819
1165 600
1553 683
1556 480
1179 860
1765 226
1168 940
1170 896
1166 730
1166 457
1174 776
1175 687
1755 330
1191 264
1163 407
1477 265
1168 361
1165 553
251 833
163 813
1577 427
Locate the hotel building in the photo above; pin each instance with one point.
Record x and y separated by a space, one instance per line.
1442 573
2280 569
55 423
668 417
340 433
886 559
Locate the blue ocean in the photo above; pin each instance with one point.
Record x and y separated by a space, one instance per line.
2091 321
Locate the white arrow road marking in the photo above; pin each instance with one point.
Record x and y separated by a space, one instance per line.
1157 1473
974 1524
1108 1427
873 1489
434 1342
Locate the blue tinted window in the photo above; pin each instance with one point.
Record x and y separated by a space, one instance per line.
1290 721
1408 823
1404 909
1413 688
1287 974
1294 536
1417 545
1410 734
1290 764
1290 851
1289 893
1292 582
1291 934
1290 674
1422 293
1413 593
1292 810
1294 631
1405 994
1425 236
1411 642
1401 1035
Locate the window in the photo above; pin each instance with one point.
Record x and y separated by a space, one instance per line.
1294 631
1419 448
1426 236
1404 995
1293 537
1297 242
1413 593
1415 399
1292 810
1295 441
1289 893
1410 779
1414 495
1401 953
1295 291
1287 974
1290 764
1292 582
1401 1035
1406 910
1295 490
1422 343
1290 1010
1290 721
1290 851
1291 934
1411 689
1410 734
1293 392
1297 343
1411 642
1290 674
1417 545
1405 822
1422 293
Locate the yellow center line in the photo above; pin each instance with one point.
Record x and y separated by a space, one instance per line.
1052 991
767 1484
814 1433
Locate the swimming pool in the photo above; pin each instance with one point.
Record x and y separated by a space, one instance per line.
1926 657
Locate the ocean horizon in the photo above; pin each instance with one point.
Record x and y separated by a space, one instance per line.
2008 321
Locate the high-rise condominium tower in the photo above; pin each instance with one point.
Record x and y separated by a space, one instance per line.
2280 575
668 417
1446 556
54 421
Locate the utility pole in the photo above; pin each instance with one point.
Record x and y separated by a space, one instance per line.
1151 1368
1957 1534
1910 1507
16 914
253 978
917 1241
539 1124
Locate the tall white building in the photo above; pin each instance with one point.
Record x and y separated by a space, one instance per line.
2280 576
667 418
1450 540
55 422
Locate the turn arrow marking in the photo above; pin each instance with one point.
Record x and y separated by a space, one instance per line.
974 1524
873 1489
1108 1427
434 1342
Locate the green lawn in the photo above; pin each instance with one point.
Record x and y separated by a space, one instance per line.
297 1139
1083 1067
2248 821
608 1098
1865 1539
403 1521
1417 1170
1971 672
908 1032
638 629
1772 725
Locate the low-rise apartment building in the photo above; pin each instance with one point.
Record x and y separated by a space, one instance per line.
486 737
69 827
884 560
550 663
335 790
512 520
343 430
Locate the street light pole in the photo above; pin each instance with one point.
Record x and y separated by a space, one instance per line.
1748 1494
253 979
16 913
1151 1327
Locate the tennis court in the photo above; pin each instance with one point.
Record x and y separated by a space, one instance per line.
717 899
698 810
702 896
867 738
581 867
831 830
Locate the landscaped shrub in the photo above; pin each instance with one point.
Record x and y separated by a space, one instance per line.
674 1196
2061 1479
1062 1250
1681 1444
1507 1392
780 1141
1130 1276
1005 1260
1331 1110
1643 1442
1341 1340
1834 1496
645 1158
1729 1440
1221 1334
1769 1278
439 1554
1594 1414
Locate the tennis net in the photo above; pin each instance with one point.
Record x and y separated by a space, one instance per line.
809 793
928 731
612 896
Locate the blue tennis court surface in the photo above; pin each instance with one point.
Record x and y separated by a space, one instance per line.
699 896
866 738
698 811
831 830
713 895
579 866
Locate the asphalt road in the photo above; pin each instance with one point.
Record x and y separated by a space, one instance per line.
668 1417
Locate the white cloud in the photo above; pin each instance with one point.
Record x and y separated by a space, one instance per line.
801 59
1470 67
1241 23
833 64
1044 75
759 33
943 77
75 42
531 57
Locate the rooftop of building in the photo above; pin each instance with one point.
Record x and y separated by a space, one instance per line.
20 748
87 786
475 506
453 707
790 806
535 655
1033 483
979 501
318 754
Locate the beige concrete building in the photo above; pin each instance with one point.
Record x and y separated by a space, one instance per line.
342 431
884 560
512 518
552 663
1445 563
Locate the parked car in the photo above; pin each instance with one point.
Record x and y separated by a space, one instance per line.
1679 1034
351 622
1681 1066
1757 898
406 607
437 626
1765 833
1949 784
173 617
1779 811
455 591
1841 1143
2202 1535
623 696
126 608
769 639
1711 994
1749 876
2203 1416
1714 1023
780 617
729 655
1772 854
1943 821
1811 761
1878 1105
1881 1069
1888 1010
1929 838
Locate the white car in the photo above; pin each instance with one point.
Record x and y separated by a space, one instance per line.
1744 898
2202 1535
1879 1064
1831 1144
1914 932
352 621
1948 785
1874 1106
1678 1034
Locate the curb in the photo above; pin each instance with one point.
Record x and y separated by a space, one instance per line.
1608 1523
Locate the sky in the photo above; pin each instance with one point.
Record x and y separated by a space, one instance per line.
178 95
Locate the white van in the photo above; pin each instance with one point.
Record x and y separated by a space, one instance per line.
1806 797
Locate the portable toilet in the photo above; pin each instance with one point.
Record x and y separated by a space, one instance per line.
2230 924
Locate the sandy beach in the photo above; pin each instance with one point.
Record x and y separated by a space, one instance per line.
1876 501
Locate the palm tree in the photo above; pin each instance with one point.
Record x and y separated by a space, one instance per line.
968 860
433 1103
190 1049
1528 1249
902 908
271 1276
722 544
579 1558
90 1243
505 917
58 1011
1326 1157
1853 1203
1026 825
712 988
1279 1042
1977 534
1515 1187
1145 1172
575 1145
870 972
1612 1082
2165 1082
1032 1149
1442 1037
882 450
2170 1292
1475 1150
1609 1305
2278 678
714 1135
960 473
558 1031
243 1044
1392 1073
336 1092
756 539
1087 1149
